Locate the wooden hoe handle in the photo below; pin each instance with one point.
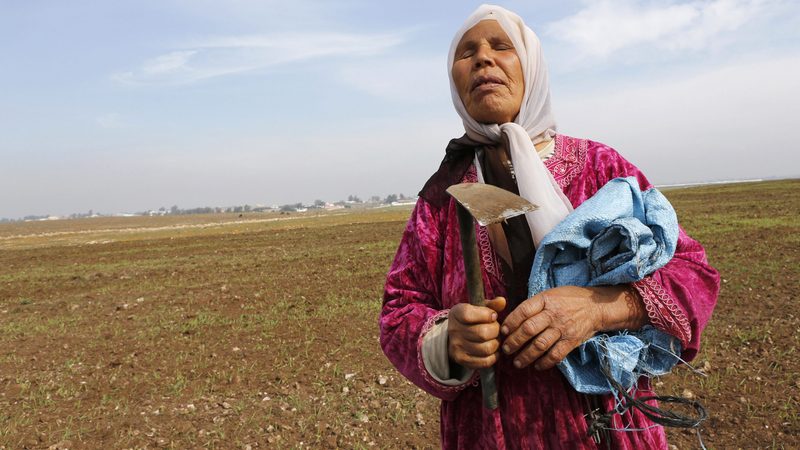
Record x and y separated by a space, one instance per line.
472 267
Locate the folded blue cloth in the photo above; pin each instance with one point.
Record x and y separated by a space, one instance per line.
619 235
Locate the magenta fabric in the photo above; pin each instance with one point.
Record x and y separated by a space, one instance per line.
537 409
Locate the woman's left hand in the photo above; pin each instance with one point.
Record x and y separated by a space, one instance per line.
549 325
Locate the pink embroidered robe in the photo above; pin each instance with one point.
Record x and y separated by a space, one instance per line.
537 409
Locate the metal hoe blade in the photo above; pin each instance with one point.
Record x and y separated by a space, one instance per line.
489 204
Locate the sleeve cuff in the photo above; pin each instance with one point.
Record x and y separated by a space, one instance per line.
663 311
437 361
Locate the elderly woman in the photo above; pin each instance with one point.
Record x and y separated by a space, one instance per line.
437 340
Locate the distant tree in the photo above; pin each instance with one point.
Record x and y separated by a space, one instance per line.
390 198
247 208
319 203
288 208
174 210
375 199
200 210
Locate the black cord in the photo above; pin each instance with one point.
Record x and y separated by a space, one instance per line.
658 415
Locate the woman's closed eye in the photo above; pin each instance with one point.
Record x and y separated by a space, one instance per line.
466 53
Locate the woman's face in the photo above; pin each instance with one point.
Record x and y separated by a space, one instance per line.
488 74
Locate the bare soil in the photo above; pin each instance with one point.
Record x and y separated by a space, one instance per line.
261 331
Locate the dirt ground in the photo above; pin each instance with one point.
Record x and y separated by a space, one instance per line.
261 331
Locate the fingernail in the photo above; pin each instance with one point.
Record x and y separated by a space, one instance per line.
494 317
517 363
506 349
504 330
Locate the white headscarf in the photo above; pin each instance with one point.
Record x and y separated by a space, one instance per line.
533 124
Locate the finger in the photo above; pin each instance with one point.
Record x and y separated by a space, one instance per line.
530 328
497 304
538 347
481 332
521 313
472 362
481 349
557 353
470 314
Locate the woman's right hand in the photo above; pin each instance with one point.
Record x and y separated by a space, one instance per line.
473 333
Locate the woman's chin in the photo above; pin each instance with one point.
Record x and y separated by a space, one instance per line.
492 109
489 117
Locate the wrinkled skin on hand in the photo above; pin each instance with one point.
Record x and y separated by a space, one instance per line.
545 328
474 333
542 330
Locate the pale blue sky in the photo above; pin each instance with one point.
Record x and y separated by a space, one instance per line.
131 105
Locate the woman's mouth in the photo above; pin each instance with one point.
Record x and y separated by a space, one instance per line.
486 82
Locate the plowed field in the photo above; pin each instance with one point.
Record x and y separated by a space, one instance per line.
261 331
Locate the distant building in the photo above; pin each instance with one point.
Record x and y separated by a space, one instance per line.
405 202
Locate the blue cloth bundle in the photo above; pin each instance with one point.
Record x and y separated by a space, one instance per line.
618 236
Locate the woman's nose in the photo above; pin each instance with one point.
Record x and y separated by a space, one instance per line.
483 57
